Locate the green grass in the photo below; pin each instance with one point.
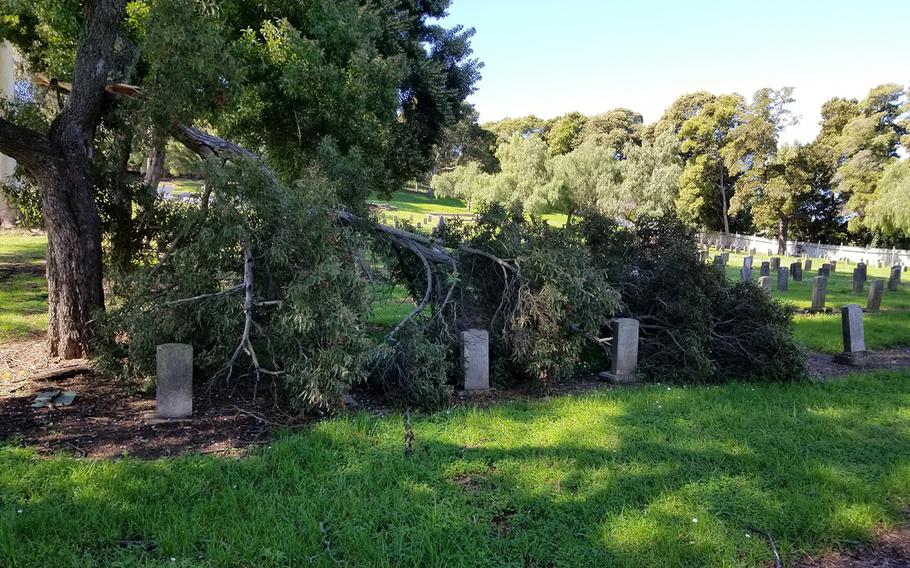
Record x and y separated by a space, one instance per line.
184 186
414 207
23 288
887 328
634 477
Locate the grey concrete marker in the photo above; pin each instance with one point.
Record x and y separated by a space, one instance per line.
783 279
475 352
747 262
874 300
796 270
745 274
775 263
808 265
819 290
174 380
858 282
853 333
894 280
764 282
765 269
624 351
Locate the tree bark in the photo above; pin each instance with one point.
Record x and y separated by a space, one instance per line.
723 195
783 230
61 163
154 163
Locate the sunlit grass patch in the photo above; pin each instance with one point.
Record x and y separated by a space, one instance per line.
627 477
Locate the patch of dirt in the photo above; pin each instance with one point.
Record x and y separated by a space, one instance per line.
892 550
502 522
110 419
823 365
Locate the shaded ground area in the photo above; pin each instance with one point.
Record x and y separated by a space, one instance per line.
823 365
892 550
110 419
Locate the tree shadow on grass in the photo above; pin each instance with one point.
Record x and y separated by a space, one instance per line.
644 477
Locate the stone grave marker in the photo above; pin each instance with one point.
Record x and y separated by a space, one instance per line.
174 380
745 274
765 269
775 263
624 351
819 290
858 282
783 279
853 334
475 352
895 279
874 299
796 270
808 265
747 262
764 283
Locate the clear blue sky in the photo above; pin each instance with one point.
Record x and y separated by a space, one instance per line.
550 57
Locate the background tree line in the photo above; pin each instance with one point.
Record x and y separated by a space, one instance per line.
716 161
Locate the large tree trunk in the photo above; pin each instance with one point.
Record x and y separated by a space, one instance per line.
61 163
74 288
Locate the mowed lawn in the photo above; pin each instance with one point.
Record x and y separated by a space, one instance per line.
652 476
23 287
413 207
822 332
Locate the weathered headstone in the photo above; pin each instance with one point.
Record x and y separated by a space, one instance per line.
853 334
874 300
624 351
745 274
796 269
833 264
783 279
747 262
808 265
765 269
863 272
174 380
819 290
475 354
726 256
775 263
719 261
858 281
764 282
895 279
852 324
825 270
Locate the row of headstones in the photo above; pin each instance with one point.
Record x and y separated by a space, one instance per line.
174 396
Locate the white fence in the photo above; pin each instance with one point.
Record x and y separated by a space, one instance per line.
762 245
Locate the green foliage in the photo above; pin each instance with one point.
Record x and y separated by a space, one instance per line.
563 133
311 330
617 129
695 325
415 370
588 178
890 210
540 315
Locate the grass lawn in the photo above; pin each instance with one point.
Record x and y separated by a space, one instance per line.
887 328
634 477
414 207
184 186
23 287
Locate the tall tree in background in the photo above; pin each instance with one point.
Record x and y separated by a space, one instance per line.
588 178
616 129
562 133
650 176
867 145
705 184
749 155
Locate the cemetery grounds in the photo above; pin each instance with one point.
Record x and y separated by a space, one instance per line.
657 475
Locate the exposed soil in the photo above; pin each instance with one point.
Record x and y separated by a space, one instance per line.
110 419
823 366
891 550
